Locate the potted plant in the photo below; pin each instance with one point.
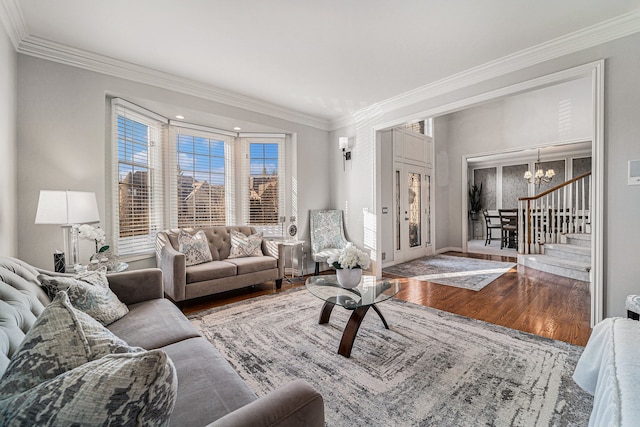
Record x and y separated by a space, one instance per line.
349 264
475 203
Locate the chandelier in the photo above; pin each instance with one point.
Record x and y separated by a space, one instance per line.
540 176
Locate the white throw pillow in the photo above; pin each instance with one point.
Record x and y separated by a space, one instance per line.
194 247
245 246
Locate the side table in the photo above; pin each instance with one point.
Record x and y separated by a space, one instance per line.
293 247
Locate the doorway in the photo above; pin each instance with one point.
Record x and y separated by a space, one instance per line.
412 231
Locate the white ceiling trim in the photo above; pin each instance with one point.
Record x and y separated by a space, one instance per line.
45 49
603 32
13 21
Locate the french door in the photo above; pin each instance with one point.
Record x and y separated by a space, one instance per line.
412 234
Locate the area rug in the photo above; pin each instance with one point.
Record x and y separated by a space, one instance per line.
462 272
431 368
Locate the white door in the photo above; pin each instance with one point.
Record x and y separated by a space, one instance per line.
412 214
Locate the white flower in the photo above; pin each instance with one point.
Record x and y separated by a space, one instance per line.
92 233
350 257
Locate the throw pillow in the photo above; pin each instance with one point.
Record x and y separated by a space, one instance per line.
61 339
88 292
118 390
195 248
245 246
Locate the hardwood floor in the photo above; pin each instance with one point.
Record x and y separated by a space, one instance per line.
524 299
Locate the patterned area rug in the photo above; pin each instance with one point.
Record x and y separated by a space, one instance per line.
430 368
468 273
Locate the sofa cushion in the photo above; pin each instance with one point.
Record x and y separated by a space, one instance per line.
202 371
194 247
245 246
61 339
119 389
153 324
88 292
209 271
254 264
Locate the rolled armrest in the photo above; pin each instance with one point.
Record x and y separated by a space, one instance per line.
138 285
295 404
173 266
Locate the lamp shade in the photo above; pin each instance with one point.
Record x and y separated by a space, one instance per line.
67 207
344 142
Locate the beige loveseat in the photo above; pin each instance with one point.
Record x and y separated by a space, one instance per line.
222 274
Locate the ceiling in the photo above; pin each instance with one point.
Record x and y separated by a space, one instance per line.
326 59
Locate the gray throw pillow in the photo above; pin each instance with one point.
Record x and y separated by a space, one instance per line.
245 246
195 248
61 339
117 390
88 292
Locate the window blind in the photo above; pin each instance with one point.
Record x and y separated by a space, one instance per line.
264 183
201 178
138 197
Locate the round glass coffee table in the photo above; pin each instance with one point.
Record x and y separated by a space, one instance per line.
366 295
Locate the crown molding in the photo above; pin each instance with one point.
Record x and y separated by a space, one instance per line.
45 49
597 34
13 21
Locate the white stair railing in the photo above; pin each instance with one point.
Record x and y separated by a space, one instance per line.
565 208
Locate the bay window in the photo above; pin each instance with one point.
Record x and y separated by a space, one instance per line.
173 174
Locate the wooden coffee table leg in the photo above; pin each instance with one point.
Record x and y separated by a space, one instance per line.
381 316
325 314
351 330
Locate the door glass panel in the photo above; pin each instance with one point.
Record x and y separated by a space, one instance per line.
415 207
427 192
398 223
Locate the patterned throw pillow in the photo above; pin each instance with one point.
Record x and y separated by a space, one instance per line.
62 339
195 248
118 390
88 292
244 246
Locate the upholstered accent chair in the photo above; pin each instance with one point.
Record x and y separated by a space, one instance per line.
327 235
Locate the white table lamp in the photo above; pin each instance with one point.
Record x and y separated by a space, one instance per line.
68 209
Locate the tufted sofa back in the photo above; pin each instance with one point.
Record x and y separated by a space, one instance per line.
21 302
219 238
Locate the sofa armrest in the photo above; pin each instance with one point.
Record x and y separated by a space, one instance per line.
173 266
295 404
136 286
275 249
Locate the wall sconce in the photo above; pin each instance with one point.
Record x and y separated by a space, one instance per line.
344 146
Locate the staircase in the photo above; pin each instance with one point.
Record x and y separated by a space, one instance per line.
570 258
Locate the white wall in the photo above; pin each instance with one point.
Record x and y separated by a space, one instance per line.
8 144
622 130
63 123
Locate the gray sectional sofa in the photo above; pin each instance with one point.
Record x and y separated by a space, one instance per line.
209 392
182 282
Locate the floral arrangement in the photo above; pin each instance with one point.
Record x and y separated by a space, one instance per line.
350 257
96 234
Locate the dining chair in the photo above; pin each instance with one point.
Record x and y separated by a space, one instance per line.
492 222
509 227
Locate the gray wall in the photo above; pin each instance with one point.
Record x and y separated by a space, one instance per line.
63 122
8 146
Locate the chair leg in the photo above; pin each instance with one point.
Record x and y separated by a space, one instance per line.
317 272
488 239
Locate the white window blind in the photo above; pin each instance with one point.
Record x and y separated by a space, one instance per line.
264 182
201 177
138 198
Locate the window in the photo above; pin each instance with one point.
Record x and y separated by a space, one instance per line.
200 185
263 203
169 175
138 197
